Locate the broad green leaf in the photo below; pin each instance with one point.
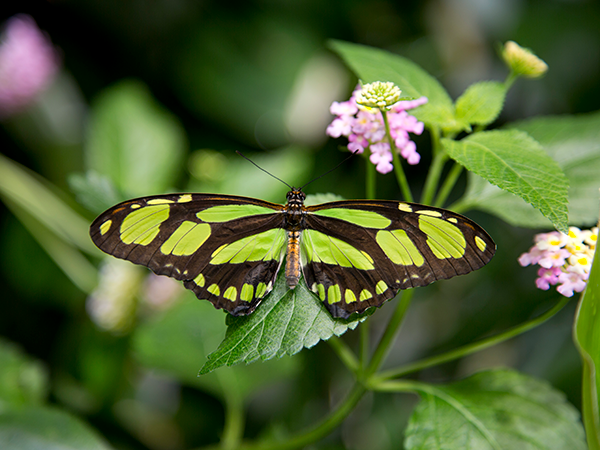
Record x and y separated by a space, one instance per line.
134 141
23 381
587 337
495 410
481 103
372 64
287 321
515 162
36 428
574 143
44 202
178 340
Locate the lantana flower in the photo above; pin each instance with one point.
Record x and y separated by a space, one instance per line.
564 259
360 120
28 64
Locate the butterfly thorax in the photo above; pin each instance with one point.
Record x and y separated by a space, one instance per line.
294 210
294 224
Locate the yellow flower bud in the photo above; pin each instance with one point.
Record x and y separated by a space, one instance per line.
523 61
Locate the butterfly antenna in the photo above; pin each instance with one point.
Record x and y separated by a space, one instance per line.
330 170
268 173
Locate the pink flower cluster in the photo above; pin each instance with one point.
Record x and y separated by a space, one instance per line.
28 64
564 259
364 128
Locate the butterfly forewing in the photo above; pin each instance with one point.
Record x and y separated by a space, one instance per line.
226 249
360 253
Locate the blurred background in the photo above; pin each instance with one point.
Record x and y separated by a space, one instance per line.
132 98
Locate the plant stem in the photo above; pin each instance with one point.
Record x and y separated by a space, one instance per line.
510 79
448 184
318 431
400 176
364 345
370 180
233 429
345 354
433 177
390 332
470 348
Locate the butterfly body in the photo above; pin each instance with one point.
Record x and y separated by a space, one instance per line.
353 254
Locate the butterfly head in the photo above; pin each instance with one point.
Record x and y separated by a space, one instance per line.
295 197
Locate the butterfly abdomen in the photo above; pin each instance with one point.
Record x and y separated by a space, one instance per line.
292 260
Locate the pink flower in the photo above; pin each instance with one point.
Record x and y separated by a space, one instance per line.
564 259
364 128
28 64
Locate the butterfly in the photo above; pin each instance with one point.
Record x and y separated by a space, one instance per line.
353 254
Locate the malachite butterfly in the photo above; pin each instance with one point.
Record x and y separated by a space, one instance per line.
353 254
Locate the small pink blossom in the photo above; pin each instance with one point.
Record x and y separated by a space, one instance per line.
365 129
565 260
28 64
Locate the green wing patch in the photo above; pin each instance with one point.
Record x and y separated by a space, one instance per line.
226 249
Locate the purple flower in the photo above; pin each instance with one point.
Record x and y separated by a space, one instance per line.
28 64
565 259
365 129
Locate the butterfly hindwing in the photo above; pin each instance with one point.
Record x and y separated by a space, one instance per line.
226 249
360 253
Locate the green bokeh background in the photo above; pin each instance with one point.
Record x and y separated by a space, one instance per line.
256 76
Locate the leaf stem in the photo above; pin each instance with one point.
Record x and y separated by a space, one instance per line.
433 177
344 352
399 171
390 332
448 184
469 348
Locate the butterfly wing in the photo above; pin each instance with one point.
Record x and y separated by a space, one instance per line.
227 249
358 254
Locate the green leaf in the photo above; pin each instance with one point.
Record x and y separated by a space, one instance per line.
287 321
574 143
515 162
45 203
23 380
177 342
35 428
587 338
498 409
134 141
94 191
481 103
372 64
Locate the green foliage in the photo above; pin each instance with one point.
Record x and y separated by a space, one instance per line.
481 103
134 141
499 409
33 428
23 381
571 141
515 162
177 341
587 337
286 322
